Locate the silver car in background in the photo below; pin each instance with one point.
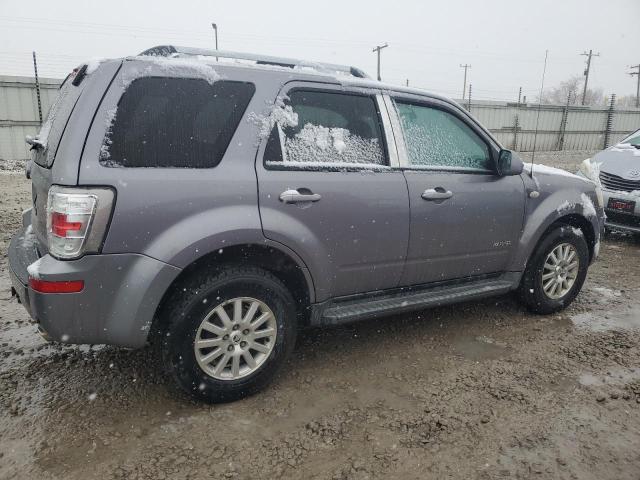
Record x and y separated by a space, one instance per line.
619 172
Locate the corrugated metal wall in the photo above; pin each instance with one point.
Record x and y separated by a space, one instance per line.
584 126
19 113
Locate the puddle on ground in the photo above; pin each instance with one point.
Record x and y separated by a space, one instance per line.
21 343
602 322
480 348
618 376
606 293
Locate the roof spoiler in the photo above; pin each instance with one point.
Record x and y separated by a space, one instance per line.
175 51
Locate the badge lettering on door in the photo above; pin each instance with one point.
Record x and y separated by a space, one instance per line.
504 243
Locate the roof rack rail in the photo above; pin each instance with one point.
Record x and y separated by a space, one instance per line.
172 51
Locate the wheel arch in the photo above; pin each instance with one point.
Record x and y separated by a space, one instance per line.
274 258
579 222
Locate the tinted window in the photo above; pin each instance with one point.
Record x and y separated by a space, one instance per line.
437 138
332 129
633 139
174 122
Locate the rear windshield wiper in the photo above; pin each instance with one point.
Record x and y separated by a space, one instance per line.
34 142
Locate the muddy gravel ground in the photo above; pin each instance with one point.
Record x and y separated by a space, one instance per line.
479 390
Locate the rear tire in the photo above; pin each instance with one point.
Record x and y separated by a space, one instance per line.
203 310
548 286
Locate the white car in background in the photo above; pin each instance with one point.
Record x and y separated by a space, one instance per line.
618 169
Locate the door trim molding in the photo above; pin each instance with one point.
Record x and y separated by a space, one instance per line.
398 134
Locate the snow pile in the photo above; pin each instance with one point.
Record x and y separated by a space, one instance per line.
29 238
317 144
93 64
587 206
564 206
280 114
626 147
546 170
105 155
635 194
34 269
171 67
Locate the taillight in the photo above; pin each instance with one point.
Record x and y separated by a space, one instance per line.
72 229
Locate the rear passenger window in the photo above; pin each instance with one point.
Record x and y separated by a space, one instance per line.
332 130
436 138
175 122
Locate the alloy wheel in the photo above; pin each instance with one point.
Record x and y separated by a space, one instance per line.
560 271
235 338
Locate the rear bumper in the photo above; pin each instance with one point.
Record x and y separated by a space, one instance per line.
116 306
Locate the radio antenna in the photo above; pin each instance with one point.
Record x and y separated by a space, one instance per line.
535 135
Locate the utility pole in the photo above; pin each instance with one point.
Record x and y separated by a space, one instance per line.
407 82
464 88
638 85
469 105
378 49
215 30
35 71
586 71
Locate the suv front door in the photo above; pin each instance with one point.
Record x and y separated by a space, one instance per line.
330 189
465 219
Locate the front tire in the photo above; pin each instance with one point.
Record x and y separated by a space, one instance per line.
556 271
227 333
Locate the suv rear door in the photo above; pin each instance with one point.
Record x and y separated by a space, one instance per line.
465 219
330 189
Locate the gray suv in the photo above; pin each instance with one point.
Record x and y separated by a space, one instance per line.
213 203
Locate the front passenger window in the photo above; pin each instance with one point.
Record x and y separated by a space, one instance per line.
436 138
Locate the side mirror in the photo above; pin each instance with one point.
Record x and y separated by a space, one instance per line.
509 163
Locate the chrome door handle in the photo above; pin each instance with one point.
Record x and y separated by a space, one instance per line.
295 196
437 193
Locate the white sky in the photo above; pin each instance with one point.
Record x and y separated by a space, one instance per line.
503 40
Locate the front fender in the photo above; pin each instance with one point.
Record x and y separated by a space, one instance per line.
547 209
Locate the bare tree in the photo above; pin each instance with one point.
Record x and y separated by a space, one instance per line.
573 86
626 101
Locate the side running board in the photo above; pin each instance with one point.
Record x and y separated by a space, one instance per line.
337 312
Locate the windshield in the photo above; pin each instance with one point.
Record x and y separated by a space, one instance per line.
633 139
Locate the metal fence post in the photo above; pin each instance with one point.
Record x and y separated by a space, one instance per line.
609 124
563 123
35 71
